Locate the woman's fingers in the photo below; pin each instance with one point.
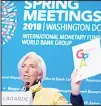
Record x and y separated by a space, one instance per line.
75 72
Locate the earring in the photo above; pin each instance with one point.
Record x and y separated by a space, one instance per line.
37 80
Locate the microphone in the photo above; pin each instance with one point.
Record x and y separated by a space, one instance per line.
26 88
27 83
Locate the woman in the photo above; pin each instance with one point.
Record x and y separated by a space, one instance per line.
32 70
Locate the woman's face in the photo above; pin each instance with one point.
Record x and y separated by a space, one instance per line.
29 70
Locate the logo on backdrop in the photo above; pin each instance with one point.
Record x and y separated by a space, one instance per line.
9 21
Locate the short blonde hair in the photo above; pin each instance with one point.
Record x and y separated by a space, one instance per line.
41 63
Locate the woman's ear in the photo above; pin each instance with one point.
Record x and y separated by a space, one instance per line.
40 76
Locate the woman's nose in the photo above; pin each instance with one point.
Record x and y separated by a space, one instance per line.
27 70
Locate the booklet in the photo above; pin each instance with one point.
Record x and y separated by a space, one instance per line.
87 59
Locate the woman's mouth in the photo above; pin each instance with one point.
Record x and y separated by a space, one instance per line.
26 76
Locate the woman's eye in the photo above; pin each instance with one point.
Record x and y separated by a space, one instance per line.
32 67
23 66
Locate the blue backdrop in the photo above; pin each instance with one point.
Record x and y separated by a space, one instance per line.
58 57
